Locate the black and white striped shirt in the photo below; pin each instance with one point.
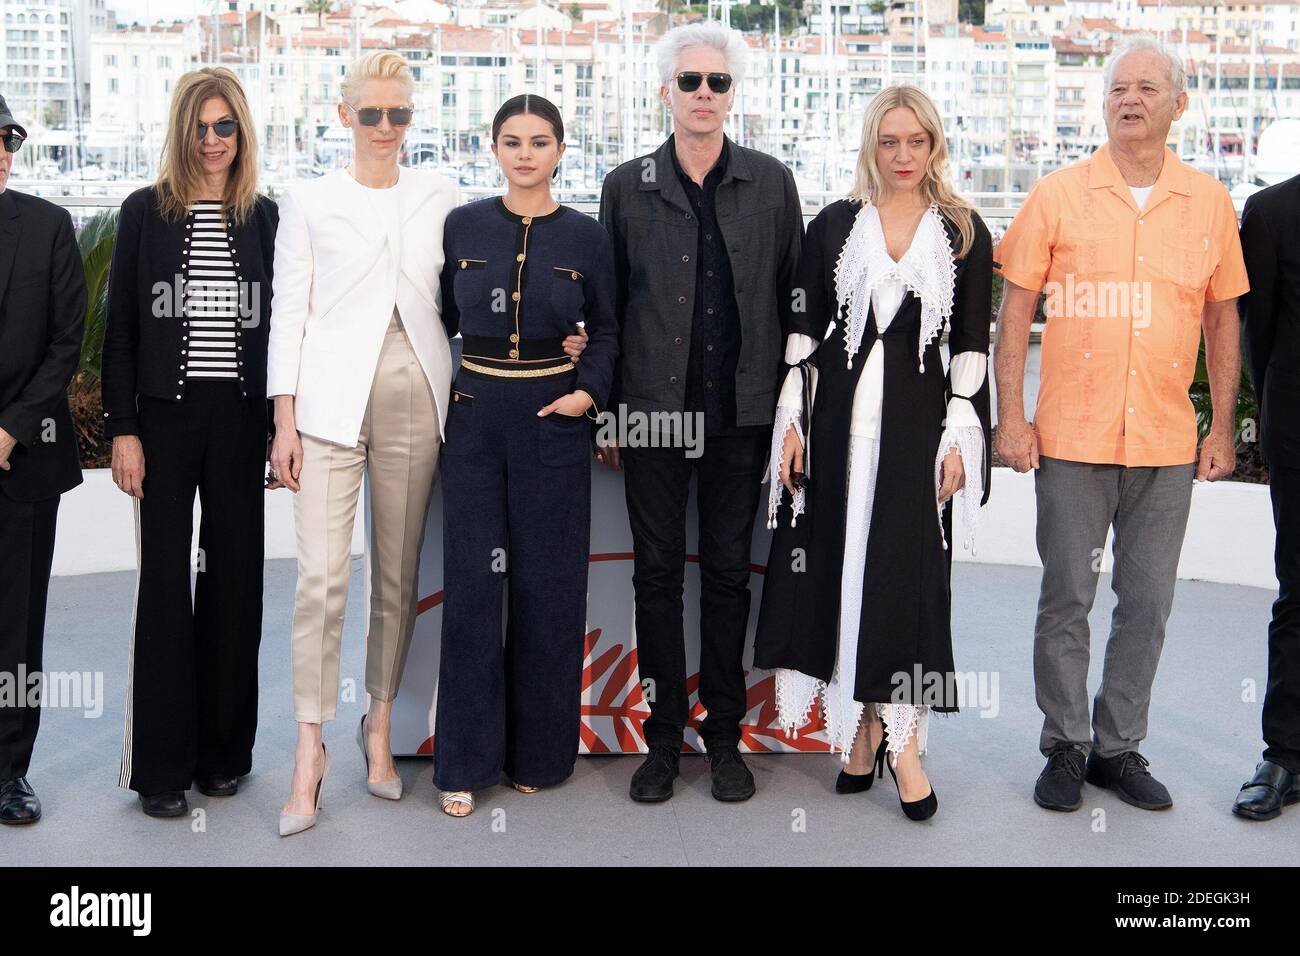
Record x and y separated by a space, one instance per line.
211 295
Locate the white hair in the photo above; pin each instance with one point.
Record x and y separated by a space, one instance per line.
379 65
1143 43
730 42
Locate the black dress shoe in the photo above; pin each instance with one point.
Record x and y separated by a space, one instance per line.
732 781
18 802
653 780
1272 788
170 803
217 785
1060 785
1127 775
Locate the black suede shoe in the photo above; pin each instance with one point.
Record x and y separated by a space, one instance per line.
1272 788
18 802
1127 775
1060 785
170 803
653 780
217 785
732 781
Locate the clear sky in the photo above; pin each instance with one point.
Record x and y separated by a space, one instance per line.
147 11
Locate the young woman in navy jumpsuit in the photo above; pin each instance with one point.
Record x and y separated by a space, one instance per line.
521 272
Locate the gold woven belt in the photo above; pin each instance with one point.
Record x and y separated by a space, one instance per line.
568 366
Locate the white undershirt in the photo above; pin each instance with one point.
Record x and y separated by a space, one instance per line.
1141 194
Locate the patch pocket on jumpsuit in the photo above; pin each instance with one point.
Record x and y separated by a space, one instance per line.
563 440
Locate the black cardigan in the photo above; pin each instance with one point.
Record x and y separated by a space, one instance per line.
146 333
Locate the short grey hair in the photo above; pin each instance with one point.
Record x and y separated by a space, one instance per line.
730 42
1141 43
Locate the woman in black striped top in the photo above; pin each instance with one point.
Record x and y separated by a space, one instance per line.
184 381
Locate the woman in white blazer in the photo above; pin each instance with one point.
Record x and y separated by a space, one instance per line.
360 372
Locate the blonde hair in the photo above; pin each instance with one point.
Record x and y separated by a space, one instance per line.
180 178
379 65
868 184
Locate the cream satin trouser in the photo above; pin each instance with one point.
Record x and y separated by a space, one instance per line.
398 448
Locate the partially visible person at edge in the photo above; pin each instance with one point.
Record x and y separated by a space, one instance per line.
706 238
184 386
1137 253
42 318
1271 313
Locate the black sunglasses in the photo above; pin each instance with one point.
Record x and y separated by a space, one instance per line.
225 128
689 81
13 142
369 115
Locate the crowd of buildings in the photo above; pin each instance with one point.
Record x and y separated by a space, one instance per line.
1019 92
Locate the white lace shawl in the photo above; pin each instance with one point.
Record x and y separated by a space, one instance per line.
928 269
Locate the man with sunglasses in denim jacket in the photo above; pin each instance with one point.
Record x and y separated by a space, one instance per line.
42 316
706 241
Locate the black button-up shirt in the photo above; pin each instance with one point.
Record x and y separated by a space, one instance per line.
715 325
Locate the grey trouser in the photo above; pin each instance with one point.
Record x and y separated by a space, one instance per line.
1077 504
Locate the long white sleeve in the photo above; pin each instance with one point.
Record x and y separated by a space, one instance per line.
290 297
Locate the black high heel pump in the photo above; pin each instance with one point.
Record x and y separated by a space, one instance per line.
860 782
922 809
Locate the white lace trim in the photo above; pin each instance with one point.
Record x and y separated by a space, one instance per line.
902 721
969 441
786 418
928 269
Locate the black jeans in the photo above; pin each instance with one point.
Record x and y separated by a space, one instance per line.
1282 699
192 689
657 481
26 555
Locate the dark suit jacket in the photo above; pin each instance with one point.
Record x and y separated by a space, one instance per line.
42 318
1271 313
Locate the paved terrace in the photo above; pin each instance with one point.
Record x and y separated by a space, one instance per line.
1203 744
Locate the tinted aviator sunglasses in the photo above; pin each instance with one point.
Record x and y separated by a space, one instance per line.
224 128
13 142
369 115
689 81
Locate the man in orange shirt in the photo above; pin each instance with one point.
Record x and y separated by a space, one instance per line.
1135 253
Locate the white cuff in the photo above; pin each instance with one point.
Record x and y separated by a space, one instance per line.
792 391
969 442
786 418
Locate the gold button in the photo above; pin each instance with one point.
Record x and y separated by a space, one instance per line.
573 276
514 337
528 220
514 353
519 258
515 296
464 264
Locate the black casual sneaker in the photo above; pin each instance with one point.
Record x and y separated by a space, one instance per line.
1128 776
1060 785
653 780
732 781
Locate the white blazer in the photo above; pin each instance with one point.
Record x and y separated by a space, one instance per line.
345 254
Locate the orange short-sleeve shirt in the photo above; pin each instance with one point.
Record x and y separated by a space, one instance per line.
1124 290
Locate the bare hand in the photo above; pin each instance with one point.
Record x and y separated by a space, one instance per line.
608 455
575 404
1218 457
128 465
791 459
7 443
574 344
1017 444
954 475
286 459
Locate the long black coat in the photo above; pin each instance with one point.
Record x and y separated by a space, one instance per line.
905 622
